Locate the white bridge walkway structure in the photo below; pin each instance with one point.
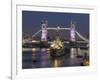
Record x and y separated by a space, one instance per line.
73 32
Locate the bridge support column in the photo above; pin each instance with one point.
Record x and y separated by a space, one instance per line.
73 40
44 31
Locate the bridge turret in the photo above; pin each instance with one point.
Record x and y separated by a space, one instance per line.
72 32
44 31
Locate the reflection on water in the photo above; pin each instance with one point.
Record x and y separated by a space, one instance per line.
56 63
41 58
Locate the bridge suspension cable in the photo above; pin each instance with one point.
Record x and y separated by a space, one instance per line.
83 38
36 33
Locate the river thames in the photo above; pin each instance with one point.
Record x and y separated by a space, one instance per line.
41 58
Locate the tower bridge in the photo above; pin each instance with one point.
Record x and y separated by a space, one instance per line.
45 29
73 33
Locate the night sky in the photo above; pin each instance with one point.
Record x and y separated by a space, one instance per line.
31 22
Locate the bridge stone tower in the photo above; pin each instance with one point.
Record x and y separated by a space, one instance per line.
72 40
44 31
72 32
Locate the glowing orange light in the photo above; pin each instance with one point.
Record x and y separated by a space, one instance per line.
33 49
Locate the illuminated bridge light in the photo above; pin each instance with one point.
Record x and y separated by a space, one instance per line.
34 49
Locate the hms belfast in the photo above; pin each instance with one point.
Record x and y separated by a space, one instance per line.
56 52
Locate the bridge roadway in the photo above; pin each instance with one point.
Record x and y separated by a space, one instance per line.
67 44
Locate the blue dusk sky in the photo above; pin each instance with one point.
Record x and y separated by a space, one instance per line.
31 22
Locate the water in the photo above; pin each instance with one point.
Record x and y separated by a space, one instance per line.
41 59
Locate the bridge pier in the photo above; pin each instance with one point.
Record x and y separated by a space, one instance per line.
72 39
73 53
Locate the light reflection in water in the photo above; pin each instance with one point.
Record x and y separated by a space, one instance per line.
56 63
41 58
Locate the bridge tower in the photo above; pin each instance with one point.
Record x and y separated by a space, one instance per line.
72 40
44 31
